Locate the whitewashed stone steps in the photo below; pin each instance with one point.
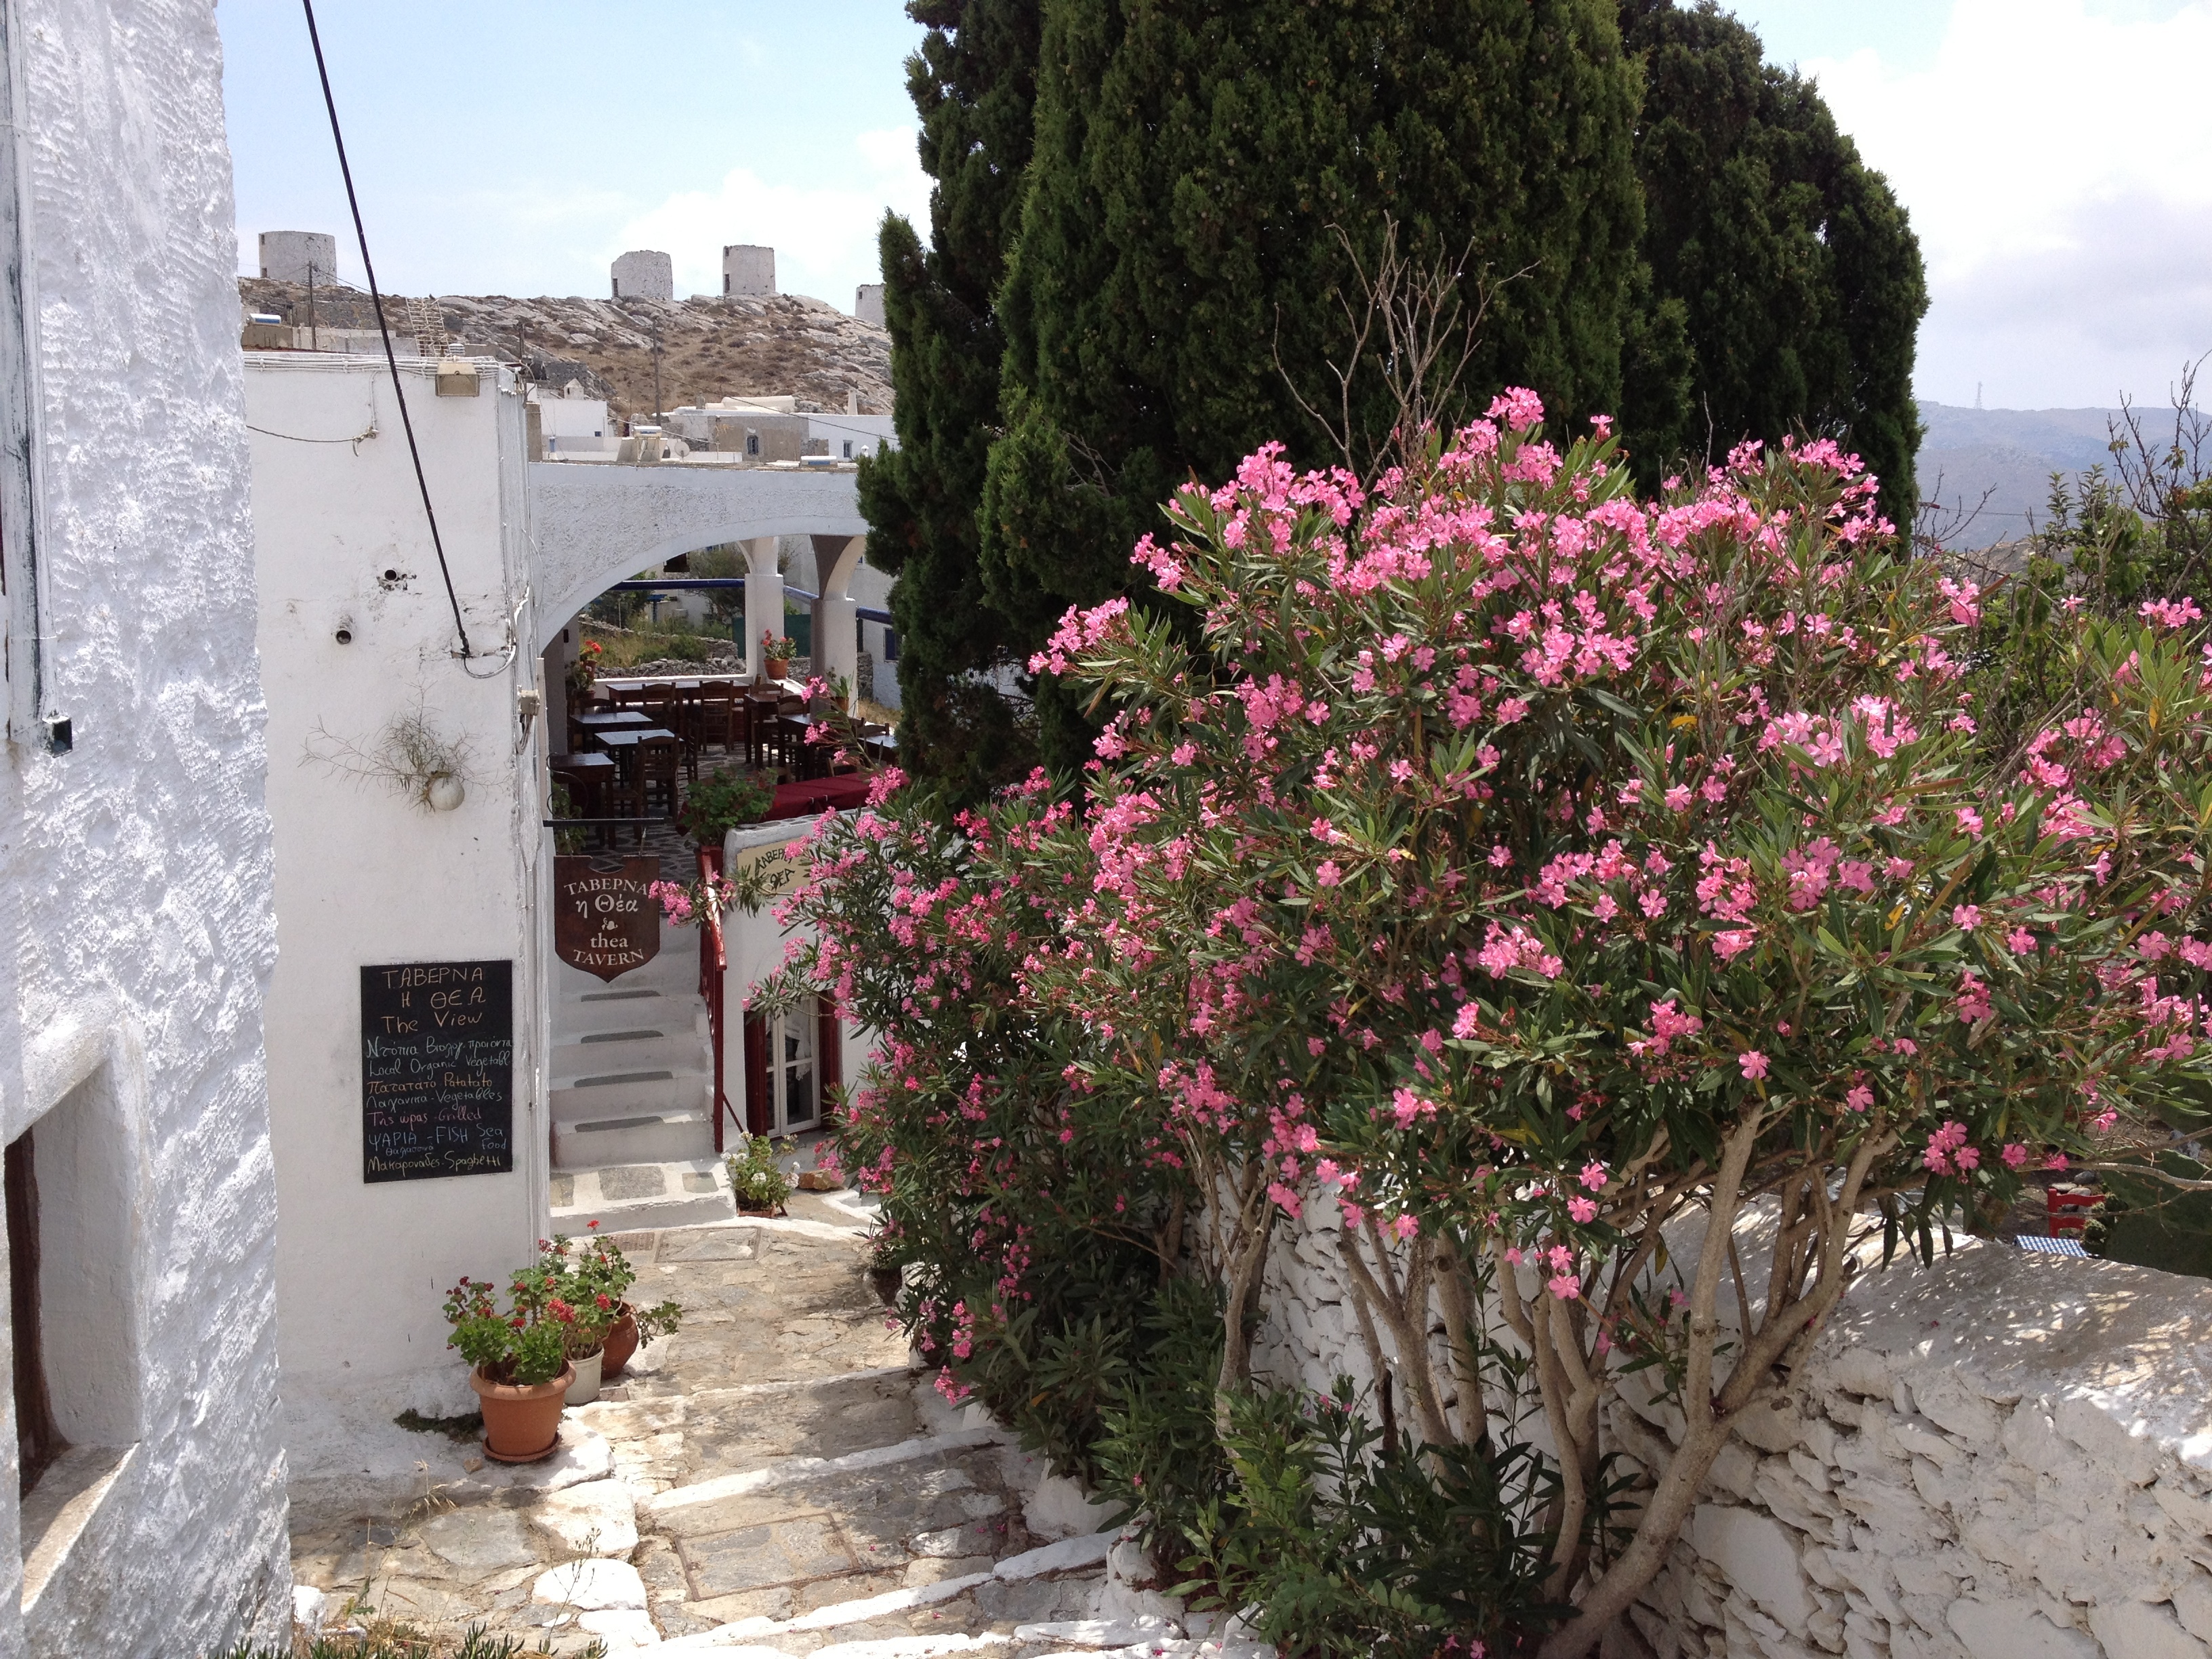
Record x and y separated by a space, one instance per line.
679 1193
676 969
618 1082
632 1093
633 1135
633 1048
665 1012
617 1090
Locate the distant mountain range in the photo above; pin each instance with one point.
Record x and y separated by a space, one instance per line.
2011 455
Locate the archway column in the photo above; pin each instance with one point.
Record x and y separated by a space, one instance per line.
836 630
763 599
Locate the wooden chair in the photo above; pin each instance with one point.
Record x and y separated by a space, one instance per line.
587 778
789 738
760 723
659 762
688 704
721 716
671 711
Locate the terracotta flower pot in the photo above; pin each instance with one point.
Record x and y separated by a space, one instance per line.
778 667
521 1425
621 1344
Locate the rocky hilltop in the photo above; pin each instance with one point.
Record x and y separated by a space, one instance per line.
708 349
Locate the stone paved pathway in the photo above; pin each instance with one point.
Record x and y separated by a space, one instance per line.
776 1478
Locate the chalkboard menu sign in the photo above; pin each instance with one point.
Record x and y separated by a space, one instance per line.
437 1070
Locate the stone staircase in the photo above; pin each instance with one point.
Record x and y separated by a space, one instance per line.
777 1480
632 1096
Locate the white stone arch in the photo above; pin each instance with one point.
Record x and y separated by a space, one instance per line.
593 524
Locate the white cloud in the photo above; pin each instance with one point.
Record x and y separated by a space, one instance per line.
2054 158
823 234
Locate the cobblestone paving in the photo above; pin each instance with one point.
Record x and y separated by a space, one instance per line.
776 1478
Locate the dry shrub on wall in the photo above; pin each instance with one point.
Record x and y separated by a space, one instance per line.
1522 869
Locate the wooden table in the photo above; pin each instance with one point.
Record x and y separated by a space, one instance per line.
602 719
623 740
621 743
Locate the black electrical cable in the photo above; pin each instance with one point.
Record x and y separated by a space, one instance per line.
376 298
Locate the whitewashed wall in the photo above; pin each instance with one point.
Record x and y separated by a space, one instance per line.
2003 1456
366 876
134 870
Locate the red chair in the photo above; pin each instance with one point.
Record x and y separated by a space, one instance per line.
2067 1209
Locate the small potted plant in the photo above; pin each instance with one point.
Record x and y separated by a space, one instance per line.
575 1301
583 672
517 1361
599 1277
777 650
757 1183
720 801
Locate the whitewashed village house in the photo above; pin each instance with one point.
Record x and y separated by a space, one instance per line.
222 605
408 790
144 1508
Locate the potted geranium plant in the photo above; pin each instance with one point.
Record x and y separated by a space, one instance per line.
518 1361
574 1301
777 651
598 1276
720 801
584 672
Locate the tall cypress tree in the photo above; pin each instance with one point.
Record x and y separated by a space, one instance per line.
1205 172
1798 278
973 81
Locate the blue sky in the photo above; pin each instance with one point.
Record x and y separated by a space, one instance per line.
2056 154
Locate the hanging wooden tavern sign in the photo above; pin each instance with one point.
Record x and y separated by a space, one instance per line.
603 920
437 1070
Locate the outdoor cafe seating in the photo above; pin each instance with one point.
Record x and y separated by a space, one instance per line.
634 744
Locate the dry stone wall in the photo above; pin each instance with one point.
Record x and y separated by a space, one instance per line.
2005 1456
2001 1456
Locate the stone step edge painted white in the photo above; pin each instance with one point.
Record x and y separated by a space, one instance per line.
673 1207
1069 1555
609 1065
577 999
666 972
663 1090
634 1142
1144 1644
793 1470
806 1384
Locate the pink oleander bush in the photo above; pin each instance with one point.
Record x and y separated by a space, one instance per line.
1520 883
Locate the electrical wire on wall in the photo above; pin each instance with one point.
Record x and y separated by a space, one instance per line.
391 358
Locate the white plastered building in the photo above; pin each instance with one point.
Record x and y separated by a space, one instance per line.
359 648
135 862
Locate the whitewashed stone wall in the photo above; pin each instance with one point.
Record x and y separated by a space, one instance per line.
134 870
2001 1457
